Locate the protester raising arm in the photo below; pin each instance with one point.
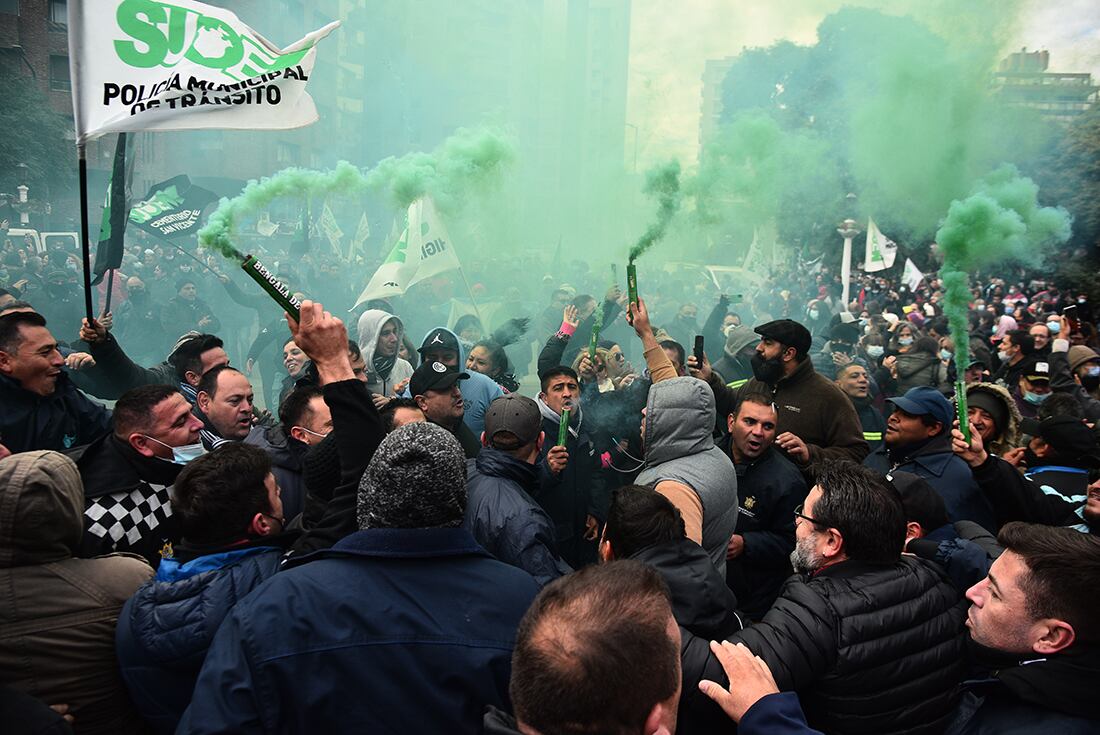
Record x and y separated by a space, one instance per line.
554 350
357 428
660 367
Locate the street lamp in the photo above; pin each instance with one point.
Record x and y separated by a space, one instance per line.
848 229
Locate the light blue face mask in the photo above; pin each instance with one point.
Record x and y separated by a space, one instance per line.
1054 327
946 355
1035 398
905 341
181 455
875 351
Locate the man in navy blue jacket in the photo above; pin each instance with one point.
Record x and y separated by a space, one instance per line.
411 622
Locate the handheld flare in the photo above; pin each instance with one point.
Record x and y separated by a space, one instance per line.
274 287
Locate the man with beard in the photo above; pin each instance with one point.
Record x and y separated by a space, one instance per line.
853 656
380 339
436 391
816 419
1063 494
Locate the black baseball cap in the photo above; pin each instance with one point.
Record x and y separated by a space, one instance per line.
515 414
439 338
788 332
433 376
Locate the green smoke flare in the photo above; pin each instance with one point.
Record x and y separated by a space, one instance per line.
466 162
1000 220
663 182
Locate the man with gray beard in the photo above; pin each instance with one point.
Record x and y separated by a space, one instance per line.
872 641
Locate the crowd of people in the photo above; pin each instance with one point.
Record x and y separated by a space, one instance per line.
580 515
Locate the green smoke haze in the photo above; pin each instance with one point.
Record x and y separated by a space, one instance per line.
663 184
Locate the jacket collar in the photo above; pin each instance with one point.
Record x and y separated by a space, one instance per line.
109 465
1064 682
495 463
933 454
801 373
402 543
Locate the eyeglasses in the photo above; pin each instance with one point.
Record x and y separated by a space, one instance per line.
618 356
799 514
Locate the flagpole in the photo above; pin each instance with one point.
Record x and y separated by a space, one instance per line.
110 288
471 292
85 248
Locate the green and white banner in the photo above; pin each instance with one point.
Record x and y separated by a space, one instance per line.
423 250
148 65
881 250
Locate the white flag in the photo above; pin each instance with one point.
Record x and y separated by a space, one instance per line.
753 253
265 226
423 250
881 251
362 232
179 65
330 228
911 275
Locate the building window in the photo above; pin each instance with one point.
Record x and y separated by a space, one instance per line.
59 12
59 74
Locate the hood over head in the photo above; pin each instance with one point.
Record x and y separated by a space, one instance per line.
1010 436
738 339
41 508
680 415
370 326
428 337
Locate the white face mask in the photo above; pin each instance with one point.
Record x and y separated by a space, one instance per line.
181 455
875 351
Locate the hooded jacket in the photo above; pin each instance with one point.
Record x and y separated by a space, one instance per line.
679 447
370 326
1009 437
505 519
918 366
735 370
58 613
478 391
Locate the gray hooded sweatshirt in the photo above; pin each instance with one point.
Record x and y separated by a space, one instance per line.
370 326
679 447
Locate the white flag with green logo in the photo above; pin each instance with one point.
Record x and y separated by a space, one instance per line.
179 65
423 250
911 276
881 250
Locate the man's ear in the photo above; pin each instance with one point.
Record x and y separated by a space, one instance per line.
789 354
140 444
913 530
261 525
6 362
484 441
730 421
192 377
421 403
934 430
202 399
1057 635
541 441
297 432
834 543
654 724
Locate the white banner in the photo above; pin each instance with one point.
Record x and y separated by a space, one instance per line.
881 250
911 275
424 250
180 65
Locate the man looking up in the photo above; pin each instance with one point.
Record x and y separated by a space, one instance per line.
436 391
770 487
224 405
128 474
40 408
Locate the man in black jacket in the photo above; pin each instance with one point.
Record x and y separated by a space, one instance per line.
435 389
871 640
758 558
128 474
40 408
500 512
1038 613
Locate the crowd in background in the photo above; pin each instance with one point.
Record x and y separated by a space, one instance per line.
518 502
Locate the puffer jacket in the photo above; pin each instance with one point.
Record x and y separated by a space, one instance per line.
917 368
370 326
870 648
58 613
65 419
505 519
166 628
679 447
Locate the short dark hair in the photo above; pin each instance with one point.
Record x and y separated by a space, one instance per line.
208 384
390 410
11 325
14 305
134 408
296 405
593 653
864 507
640 517
1060 404
1063 574
353 349
756 397
550 373
671 344
188 357
922 504
1022 339
582 299
217 495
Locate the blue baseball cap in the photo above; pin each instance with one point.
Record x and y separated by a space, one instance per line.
925 401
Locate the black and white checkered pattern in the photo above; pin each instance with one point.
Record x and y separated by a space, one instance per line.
124 518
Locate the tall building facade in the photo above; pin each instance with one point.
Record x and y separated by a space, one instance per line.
1025 80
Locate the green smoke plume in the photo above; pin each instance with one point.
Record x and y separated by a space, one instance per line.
1000 220
467 162
663 183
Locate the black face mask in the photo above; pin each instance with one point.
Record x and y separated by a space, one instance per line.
138 295
766 371
1090 382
